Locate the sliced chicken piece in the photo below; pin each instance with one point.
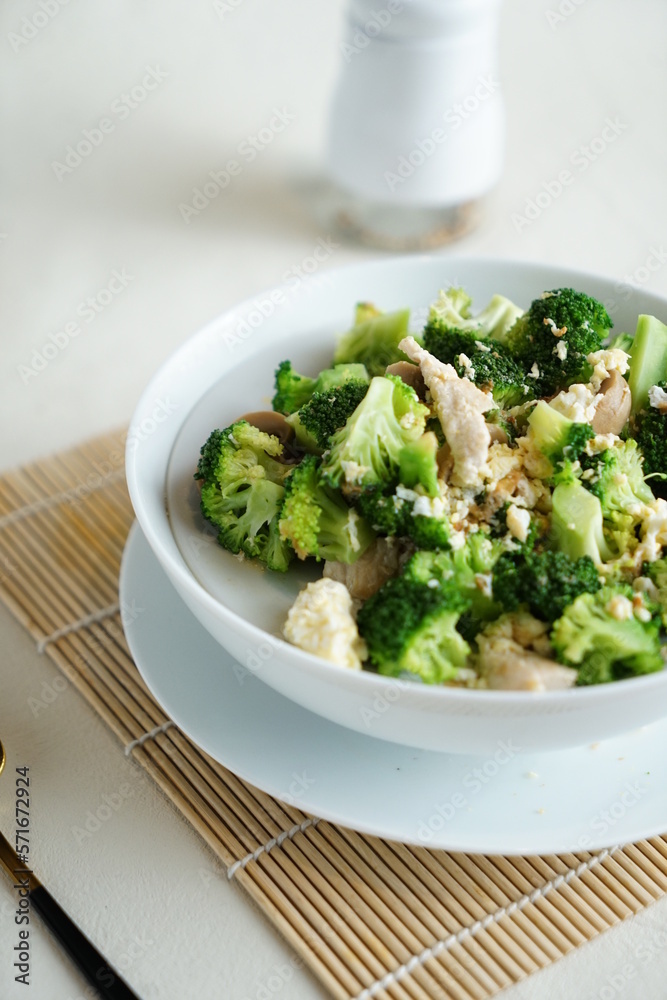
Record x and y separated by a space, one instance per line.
364 577
528 672
514 656
460 406
521 671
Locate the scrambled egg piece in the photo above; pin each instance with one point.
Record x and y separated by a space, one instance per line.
518 522
516 476
578 403
600 443
503 461
620 608
653 533
321 622
604 363
657 397
460 407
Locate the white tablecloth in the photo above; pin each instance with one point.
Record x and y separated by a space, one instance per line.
102 277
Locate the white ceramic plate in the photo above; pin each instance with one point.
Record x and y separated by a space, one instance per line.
503 803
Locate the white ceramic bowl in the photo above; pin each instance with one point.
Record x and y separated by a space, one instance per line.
226 370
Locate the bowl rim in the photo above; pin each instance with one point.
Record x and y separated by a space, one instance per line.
368 681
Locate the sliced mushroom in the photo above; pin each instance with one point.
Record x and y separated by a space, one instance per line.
365 576
271 423
411 375
613 406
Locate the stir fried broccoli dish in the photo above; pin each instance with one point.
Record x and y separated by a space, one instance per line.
485 497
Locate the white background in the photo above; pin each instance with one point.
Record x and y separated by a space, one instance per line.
142 885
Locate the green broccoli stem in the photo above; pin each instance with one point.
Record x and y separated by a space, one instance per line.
418 465
603 646
648 360
374 341
365 452
577 524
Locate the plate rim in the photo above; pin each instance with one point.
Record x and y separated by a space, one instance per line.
129 565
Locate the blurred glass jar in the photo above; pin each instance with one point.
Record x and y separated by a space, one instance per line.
417 125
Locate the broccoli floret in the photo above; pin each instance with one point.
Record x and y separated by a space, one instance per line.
411 627
242 492
559 439
650 429
648 360
429 532
388 513
316 520
452 308
498 318
544 582
651 436
657 573
374 339
391 511
495 370
451 330
493 366
327 411
366 451
328 405
477 556
577 524
599 634
450 314
558 332
418 464
447 343
294 390
618 478
210 455
615 476
304 439
468 569
329 378
364 311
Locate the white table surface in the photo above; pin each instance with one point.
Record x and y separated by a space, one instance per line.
144 887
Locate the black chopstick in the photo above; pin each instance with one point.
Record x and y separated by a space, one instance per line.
85 956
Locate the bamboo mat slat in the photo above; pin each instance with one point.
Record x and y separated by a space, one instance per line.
372 919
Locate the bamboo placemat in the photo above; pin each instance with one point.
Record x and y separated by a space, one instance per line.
371 918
